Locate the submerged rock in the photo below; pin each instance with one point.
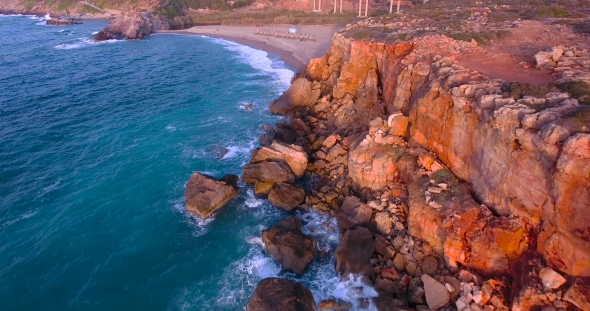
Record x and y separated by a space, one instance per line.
218 152
288 246
279 294
204 194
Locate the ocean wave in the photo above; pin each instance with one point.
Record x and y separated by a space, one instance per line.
82 42
170 128
258 59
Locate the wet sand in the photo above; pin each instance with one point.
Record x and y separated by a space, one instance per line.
295 53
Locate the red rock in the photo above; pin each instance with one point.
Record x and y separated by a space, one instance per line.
578 295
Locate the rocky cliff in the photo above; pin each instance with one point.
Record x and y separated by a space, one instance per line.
480 175
527 160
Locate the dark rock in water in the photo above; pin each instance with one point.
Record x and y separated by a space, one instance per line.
286 196
268 171
131 26
274 294
288 246
204 194
218 152
268 136
248 106
300 96
62 22
354 252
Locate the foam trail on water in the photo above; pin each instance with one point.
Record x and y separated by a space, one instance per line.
83 42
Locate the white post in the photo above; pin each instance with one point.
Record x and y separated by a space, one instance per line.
360 5
320 6
314 5
366 7
398 3
340 6
335 6
390 6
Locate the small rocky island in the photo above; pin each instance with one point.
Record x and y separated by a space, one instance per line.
62 22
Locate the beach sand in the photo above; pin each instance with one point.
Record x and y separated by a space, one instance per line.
296 54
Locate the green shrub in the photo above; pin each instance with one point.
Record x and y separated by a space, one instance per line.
577 89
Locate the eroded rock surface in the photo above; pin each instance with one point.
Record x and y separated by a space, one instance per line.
205 195
288 246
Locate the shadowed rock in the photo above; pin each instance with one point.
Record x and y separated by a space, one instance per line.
279 294
286 196
268 171
288 246
354 251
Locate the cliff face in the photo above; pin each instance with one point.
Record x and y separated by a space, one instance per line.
527 160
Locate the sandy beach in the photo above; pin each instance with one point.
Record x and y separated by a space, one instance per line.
293 52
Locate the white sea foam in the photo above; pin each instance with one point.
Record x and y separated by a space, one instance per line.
200 226
82 42
170 128
259 60
233 151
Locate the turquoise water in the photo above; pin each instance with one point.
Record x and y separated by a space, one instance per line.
96 144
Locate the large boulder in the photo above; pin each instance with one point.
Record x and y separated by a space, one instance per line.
268 171
288 246
204 194
353 213
300 96
130 27
279 294
286 196
293 155
354 252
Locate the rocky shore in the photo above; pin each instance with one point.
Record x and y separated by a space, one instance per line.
452 190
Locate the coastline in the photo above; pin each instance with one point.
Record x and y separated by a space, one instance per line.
296 54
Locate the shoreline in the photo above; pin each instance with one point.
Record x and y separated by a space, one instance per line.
287 57
296 54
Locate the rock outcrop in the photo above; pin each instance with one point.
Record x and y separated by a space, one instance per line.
288 246
293 155
280 294
131 26
205 195
452 172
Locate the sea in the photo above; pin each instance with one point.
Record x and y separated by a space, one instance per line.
97 142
